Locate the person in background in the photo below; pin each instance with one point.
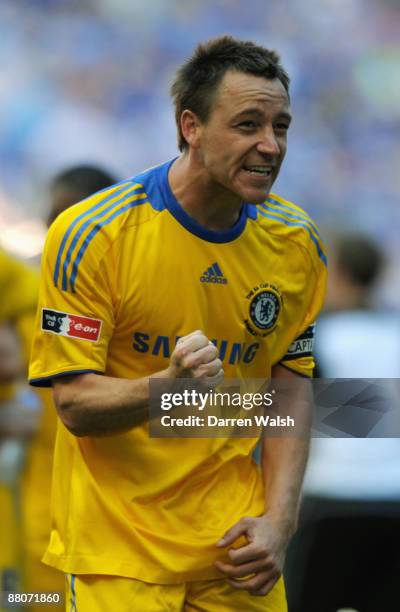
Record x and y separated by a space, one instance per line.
26 453
26 424
349 541
75 184
10 550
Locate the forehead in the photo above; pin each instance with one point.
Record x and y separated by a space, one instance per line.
239 90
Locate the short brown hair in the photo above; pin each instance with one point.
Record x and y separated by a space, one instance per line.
359 257
197 80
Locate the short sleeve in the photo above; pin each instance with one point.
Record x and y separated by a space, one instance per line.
74 320
299 356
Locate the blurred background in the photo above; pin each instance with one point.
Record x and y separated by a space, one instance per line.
88 81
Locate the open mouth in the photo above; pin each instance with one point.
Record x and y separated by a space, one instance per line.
264 171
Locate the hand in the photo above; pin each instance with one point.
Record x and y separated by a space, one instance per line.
196 357
261 559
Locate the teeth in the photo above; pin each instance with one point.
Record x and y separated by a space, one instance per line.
258 169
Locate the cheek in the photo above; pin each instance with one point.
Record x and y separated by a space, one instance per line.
283 147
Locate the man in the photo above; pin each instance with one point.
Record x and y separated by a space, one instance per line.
129 291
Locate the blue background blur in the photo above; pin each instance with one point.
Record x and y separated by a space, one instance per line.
88 81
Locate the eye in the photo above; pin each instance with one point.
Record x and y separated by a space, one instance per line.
282 127
247 125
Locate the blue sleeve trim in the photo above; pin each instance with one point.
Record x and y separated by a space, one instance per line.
47 380
292 213
100 222
321 254
122 189
96 228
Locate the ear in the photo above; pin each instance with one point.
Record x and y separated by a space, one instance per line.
191 128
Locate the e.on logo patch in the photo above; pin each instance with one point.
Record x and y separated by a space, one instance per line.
71 325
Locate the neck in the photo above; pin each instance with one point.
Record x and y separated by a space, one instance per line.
207 202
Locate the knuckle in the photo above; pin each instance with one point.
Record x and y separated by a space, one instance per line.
179 352
211 370
213 350
270 561
195 361
198 374
253 585
186 362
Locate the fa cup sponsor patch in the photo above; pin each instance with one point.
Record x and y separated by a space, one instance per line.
70 325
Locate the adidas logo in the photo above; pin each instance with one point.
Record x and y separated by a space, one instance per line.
213 274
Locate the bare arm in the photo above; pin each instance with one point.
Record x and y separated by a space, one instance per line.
93 405
284 460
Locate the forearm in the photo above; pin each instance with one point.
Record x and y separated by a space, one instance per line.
93 405
284 463
284 458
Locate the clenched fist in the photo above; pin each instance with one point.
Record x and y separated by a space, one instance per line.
195 356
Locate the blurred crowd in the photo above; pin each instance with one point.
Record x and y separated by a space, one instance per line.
97 73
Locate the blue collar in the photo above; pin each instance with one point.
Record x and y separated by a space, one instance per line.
176 210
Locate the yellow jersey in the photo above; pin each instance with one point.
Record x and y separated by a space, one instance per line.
124 274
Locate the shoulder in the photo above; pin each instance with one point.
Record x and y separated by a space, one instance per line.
85 232
291 222
118 205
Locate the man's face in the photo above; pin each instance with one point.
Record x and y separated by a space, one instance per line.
243 142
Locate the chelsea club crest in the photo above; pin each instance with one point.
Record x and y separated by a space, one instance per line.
265 303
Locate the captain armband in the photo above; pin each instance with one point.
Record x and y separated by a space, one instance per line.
301 346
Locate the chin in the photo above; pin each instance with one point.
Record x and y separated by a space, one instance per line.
253 196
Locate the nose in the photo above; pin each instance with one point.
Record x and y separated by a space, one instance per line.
268 144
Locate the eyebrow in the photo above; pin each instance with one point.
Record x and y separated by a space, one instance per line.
256 111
